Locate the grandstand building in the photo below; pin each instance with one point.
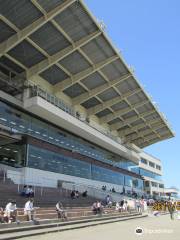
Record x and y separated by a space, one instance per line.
151 170
172 193
71 110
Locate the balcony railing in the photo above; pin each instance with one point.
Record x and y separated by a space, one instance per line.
38 91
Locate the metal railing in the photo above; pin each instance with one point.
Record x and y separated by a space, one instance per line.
12 177
38 91
19 179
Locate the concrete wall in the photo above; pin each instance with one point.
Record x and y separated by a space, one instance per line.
150 158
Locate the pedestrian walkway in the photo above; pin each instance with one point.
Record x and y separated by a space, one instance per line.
33 230
161 228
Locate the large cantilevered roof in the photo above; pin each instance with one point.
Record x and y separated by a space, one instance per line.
60 41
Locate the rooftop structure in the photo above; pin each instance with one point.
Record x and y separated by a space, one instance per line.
61 43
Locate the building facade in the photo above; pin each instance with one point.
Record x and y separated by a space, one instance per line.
46 147
151 170
71 109
172 193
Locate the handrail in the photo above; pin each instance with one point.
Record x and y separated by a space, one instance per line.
8 174
105 192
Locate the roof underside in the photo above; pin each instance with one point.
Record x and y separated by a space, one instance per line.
60 41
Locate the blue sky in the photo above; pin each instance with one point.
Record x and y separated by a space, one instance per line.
148 34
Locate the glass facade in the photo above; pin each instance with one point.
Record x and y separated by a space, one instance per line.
50 161
150 174
13 155
133 182
24 123
41 158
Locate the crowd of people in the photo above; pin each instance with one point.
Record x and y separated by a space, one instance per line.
9 213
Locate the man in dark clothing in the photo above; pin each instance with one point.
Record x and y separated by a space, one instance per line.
171 209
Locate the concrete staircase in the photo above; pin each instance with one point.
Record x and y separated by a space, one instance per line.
74 213
46 197
79 213
27 229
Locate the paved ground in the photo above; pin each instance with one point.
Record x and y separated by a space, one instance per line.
161 228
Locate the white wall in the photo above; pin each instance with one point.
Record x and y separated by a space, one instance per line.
31 176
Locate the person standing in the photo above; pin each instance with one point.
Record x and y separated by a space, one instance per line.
108 201
1 215
125 206
117 208
138 206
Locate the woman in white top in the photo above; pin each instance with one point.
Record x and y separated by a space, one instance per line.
29 210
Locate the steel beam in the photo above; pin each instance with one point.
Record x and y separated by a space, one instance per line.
116 126
119 113
81 75
43 65
147 143
85 96
27 31
109 103
141 125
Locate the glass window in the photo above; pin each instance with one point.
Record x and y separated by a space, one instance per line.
106 175
151 164
128 181
154 184
39 129
51 161
150 174
146 183
13 155
22 122
54 162
4 116
143 160
158 167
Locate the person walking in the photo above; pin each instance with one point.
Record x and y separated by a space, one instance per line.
171 209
